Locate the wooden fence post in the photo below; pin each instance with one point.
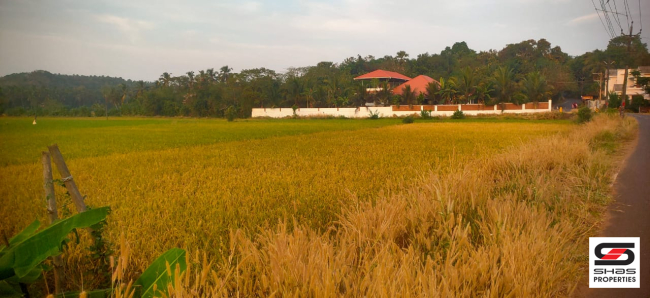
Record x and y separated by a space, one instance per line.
52 215
57 158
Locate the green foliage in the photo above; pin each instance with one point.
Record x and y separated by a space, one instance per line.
231 113
448 90
614 100
637 101
294 108
584 115
408 119
29 248
156 275
467 83
458 115
396 100
432 92
534 66
408 95
534 87
373 115
424 114
504 85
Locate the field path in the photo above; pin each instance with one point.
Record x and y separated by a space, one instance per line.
629 215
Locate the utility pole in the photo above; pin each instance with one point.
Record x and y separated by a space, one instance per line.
608 65
600 86
625 79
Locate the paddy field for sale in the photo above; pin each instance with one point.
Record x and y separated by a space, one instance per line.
330 206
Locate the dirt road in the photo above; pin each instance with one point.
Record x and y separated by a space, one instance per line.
629 215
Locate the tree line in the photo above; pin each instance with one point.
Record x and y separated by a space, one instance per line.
529 71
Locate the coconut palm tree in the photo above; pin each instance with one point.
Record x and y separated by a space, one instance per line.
224 73
535 88
385 93
467 82
448 90
432 92
165 79
483 91
408 95
504 85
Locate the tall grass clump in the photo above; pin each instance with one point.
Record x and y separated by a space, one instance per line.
515 224
458 115
584 115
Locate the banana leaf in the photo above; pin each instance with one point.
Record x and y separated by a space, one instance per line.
24 234
19 260
9 290
156 273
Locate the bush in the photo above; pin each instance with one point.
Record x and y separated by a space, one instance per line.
231 113
425 114
408 119
584 115
458 115
374 115
637 101
19 111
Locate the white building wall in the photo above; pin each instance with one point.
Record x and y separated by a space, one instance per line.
364 112
616 77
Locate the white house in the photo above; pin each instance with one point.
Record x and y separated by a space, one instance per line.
616 77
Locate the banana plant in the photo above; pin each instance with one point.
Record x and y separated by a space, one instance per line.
22 260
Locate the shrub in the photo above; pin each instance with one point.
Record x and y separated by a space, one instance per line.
408 119
637 101
584 115
374 115
425 114
614 100
458 115
231 113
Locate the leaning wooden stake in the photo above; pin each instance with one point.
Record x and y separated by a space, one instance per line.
57 158
53 216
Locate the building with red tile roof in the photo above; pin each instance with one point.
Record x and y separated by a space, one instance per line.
418 85
383 75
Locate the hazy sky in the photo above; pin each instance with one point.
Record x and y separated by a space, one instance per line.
142 39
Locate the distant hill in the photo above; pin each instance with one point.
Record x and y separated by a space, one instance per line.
42 78
41 88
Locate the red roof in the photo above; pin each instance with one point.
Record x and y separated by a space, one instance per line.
418 84
383 74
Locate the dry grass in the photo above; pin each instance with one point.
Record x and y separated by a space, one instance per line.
514 225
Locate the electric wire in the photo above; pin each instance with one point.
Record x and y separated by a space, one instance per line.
640 19
601 19
608 20
615 15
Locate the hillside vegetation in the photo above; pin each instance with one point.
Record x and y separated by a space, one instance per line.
529 71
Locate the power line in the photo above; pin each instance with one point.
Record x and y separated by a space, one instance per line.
608 21
640 18
628 12
616 14
601 19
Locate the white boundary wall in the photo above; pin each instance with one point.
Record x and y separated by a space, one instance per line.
364 112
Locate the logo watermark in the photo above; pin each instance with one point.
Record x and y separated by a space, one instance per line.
614 262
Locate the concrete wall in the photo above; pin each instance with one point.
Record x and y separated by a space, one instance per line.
394 111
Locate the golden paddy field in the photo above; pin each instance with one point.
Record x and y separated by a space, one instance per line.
185 183
333 207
